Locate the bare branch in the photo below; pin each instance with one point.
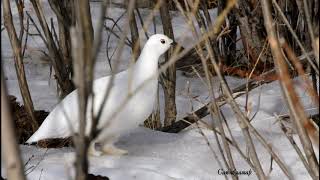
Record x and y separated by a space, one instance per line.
11 152
310 28
293 103
18 59
295 146
57 60
294 35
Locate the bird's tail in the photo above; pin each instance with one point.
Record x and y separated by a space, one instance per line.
34 138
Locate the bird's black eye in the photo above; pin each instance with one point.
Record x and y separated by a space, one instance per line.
162 41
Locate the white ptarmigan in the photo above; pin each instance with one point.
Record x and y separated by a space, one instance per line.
63 121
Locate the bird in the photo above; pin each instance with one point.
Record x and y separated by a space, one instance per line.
122 114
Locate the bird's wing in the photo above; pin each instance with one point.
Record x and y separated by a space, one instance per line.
116 95
61 121
64 118
102 83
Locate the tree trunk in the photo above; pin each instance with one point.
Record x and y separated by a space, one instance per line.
230 40
169 79
83 71
252 32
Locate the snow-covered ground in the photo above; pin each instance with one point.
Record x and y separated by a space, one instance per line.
152 154
158 155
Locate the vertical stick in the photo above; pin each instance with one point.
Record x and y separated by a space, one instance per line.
84 78
10 149
61 72
169 81
134 36
18 60
296 110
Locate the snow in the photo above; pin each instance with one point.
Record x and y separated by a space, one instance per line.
158 155
152 154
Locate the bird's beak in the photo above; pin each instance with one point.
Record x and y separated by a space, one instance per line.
174 43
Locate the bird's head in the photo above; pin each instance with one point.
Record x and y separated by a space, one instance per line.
159 43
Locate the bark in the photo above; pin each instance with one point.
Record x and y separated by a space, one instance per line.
253 35
10 149
18 59
296 110
220 44
241 118
66 19
134 37
149 4
84 65
169 80
231 38
84 52
61 72
204 111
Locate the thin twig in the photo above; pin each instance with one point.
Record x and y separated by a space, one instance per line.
19 65
297 64
295 146
310 28
293 103
142 23
294 35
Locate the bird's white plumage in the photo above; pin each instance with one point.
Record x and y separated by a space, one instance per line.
63 121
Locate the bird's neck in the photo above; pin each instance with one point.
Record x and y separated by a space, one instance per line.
146 67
